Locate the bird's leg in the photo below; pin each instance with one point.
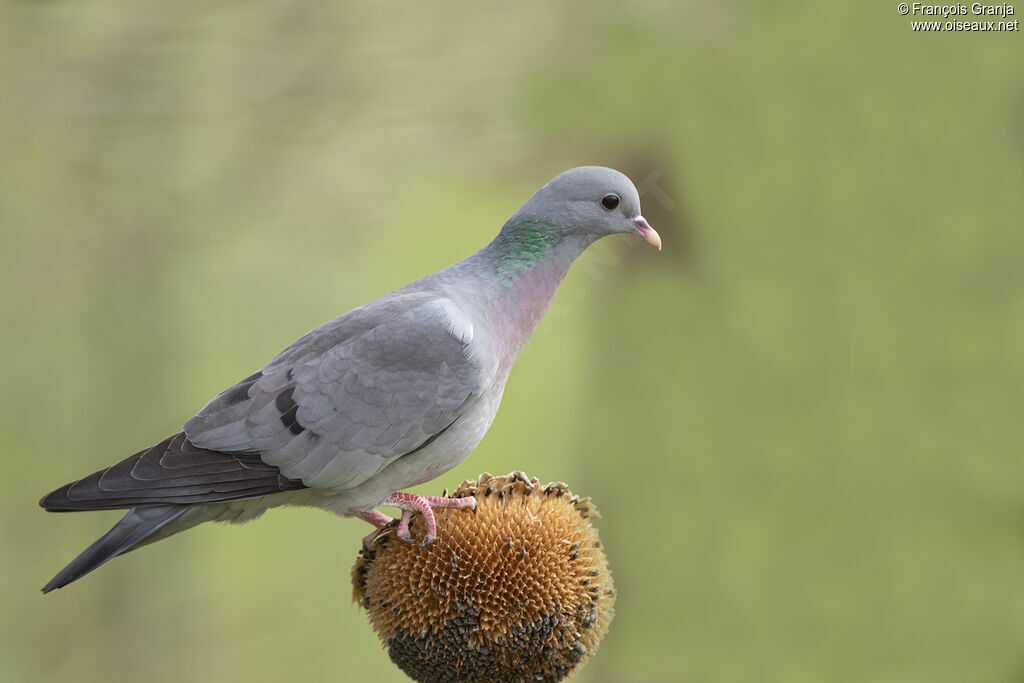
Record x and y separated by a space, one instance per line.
377 519
409 503
374 517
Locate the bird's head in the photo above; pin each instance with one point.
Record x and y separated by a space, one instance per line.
591 201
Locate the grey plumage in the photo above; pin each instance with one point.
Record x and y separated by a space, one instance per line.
386 396
345 400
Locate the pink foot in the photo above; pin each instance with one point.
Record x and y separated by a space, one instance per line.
377 519
409 503
403 525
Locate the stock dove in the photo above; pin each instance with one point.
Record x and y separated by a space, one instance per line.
387 396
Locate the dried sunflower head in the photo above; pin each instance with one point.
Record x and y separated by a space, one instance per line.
518 589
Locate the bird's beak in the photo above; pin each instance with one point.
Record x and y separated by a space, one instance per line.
649 234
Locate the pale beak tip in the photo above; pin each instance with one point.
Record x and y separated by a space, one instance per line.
649 234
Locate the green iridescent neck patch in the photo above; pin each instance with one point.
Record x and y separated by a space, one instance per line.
522 244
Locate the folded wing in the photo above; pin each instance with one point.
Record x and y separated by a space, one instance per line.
350 397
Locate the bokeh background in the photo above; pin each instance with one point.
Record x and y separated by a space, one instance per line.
801 420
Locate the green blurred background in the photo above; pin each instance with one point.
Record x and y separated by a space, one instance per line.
801 421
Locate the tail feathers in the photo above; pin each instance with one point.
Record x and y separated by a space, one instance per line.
139 524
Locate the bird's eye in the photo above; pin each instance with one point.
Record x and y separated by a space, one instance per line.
610 201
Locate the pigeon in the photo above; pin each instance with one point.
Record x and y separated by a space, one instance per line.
389 395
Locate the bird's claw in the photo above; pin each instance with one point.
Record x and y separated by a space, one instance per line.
413 541
405 533
409 503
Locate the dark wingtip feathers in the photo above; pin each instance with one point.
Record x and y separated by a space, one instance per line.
159 484
174 471
57 500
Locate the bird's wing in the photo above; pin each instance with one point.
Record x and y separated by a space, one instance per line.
174 471
350 397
